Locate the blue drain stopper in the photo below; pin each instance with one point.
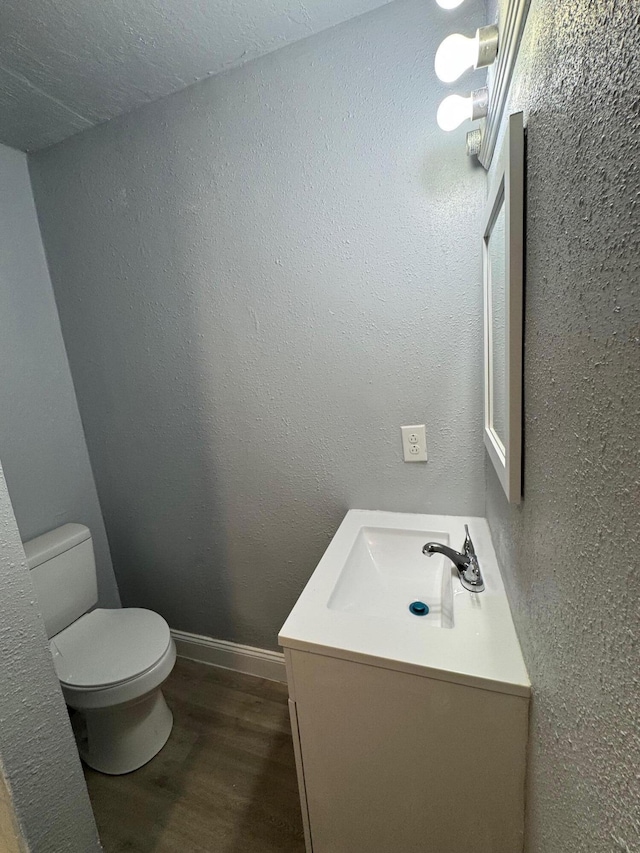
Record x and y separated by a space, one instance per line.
419 608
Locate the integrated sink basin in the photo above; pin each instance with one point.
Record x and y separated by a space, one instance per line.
386 571
356 604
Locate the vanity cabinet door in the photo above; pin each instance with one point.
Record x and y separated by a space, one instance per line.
295 733
395 761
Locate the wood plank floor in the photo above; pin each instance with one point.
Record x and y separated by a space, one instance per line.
224 783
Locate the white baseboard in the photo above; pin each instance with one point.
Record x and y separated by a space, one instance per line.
259 662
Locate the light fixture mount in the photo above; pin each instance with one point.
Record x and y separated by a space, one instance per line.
474 141
487 46
479 103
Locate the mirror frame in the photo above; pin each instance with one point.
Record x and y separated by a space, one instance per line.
506 188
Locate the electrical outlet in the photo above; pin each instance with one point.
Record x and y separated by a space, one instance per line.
414 443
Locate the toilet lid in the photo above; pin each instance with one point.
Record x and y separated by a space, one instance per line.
107 647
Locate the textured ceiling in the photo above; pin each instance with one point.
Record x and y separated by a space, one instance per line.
66 65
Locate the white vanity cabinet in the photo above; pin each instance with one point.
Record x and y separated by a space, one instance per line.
391 761
410 736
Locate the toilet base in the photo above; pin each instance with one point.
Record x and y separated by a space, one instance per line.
122 738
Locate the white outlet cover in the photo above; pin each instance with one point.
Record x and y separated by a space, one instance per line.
414 443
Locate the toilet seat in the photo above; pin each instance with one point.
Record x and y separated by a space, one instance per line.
108 648
126 692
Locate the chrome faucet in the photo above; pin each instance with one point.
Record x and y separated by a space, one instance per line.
466 562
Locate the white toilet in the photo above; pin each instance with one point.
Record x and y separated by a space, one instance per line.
111 663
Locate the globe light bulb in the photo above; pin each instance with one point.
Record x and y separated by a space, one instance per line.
449 4
455 55
453 111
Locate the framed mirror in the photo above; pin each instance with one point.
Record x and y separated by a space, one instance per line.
502 249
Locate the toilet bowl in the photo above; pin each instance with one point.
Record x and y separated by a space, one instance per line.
111 663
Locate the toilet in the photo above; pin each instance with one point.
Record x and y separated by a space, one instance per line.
111 663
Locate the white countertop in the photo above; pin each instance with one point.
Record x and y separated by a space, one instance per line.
481 649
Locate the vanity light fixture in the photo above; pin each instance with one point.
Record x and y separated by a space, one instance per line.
457 53
449 4
455 109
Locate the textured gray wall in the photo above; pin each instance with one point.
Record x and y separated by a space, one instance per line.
259 280
37 751
42 444
570 551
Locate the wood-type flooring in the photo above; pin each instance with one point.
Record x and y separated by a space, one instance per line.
224 783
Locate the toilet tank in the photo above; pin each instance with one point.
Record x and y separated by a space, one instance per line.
63 571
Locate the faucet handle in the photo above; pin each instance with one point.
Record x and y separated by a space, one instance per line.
467 547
